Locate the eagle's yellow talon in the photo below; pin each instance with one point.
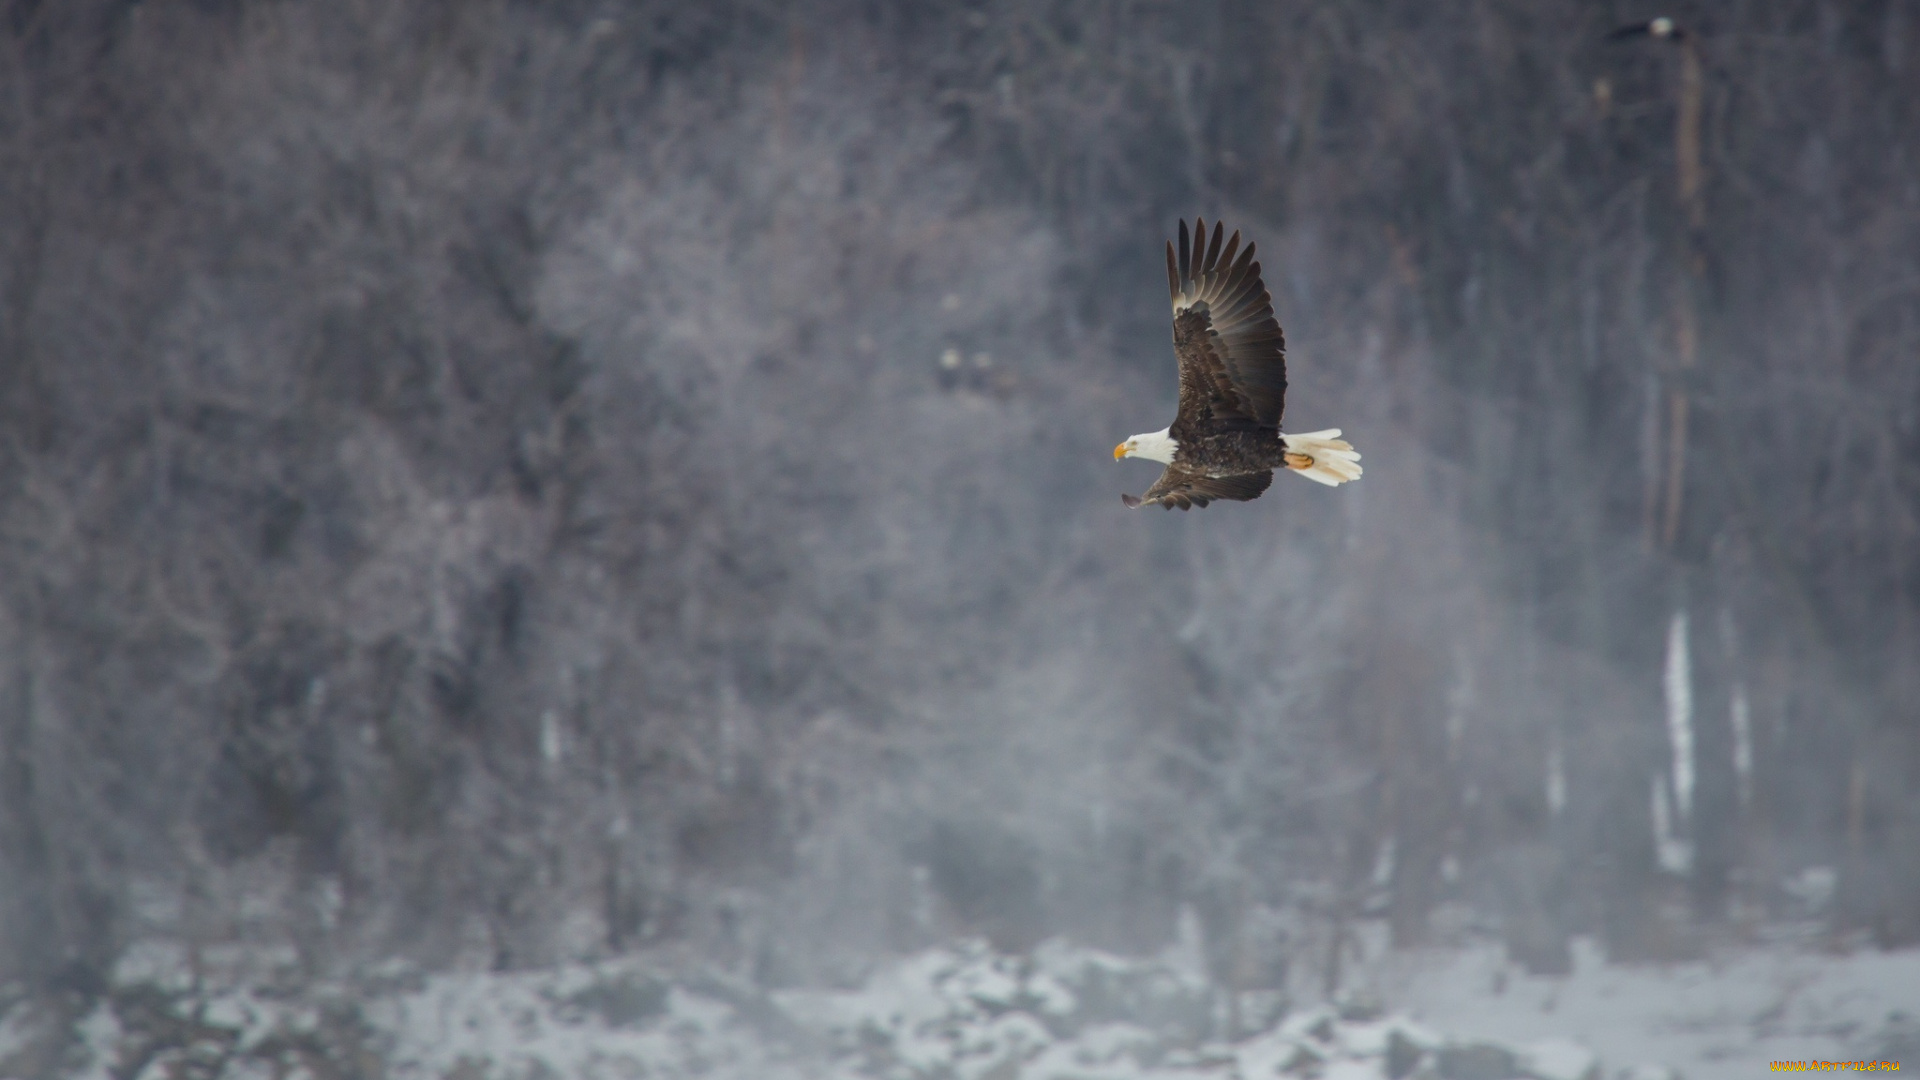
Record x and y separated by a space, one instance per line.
1299 461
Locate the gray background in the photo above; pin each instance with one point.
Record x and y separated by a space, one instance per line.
478 482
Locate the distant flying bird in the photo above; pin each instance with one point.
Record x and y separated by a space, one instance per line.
1225 441
1663 28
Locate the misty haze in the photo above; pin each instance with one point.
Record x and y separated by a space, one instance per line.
581 539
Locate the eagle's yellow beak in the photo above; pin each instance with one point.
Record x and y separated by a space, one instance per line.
1120 451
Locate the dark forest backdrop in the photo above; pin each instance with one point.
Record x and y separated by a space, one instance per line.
479 482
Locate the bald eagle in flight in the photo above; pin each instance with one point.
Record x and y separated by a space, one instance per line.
1226 440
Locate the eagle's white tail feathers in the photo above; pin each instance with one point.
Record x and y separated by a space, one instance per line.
1334 460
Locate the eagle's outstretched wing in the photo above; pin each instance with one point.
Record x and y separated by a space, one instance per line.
1185 488
1233 364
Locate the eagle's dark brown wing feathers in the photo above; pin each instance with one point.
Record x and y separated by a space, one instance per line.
1186 489
1242 290
1234 287
1238 354
1243 282
1207 397
1206 391
1186 263
1240 488
1226 257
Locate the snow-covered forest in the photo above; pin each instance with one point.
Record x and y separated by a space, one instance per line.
496 489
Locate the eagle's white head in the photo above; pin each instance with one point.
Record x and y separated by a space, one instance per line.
1154 446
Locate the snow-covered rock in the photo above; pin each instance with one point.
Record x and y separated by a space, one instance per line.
1558 1059
959 1012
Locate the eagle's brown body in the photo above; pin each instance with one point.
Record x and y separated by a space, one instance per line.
1226 438
1214 432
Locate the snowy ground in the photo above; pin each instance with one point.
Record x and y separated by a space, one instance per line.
1717 1019
965 1013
